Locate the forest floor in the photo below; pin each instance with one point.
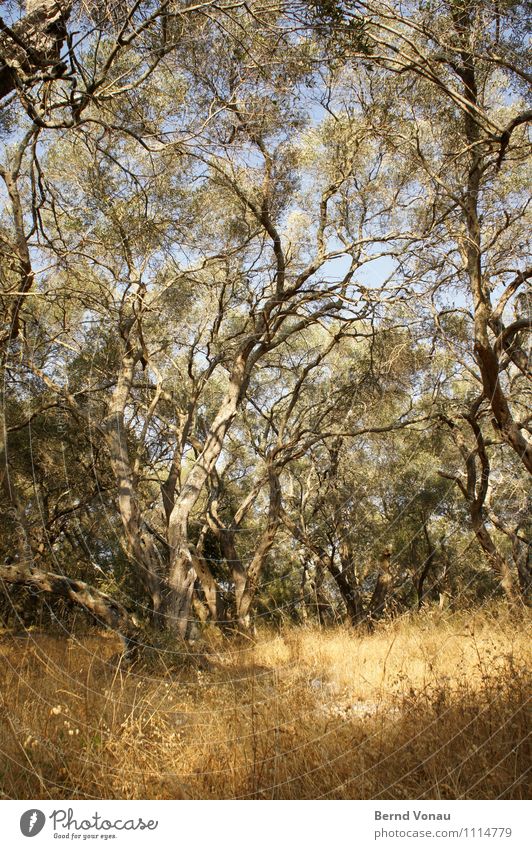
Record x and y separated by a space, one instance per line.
429 706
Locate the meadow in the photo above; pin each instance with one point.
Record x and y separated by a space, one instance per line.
432 706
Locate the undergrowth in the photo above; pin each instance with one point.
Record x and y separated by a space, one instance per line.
436 706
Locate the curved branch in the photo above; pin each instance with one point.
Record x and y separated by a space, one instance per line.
101 606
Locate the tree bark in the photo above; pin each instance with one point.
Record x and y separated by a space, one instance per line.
427 567
521 557
321 601
475 491
384 579
351 595
33 44
498 562
207 581
303 591
182 575
485 352
139 544
101 606
245 592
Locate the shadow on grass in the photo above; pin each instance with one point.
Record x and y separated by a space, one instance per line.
74 725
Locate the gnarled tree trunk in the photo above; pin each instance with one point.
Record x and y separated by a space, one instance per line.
245 590
499 563
139 544
101 606
182 574
33 44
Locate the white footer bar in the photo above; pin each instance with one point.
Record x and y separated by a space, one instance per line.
264 824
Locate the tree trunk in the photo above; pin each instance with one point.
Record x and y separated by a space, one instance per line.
101 606
521 557
349 593
33 44
209 587
352 597
181 581
245 594
475 492
320 599
235 566
181 574
139 545
303 591
427 567
495 558
485 352
384 579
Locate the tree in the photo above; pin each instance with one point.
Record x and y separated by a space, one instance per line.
475 488
457 79
258 293
256 302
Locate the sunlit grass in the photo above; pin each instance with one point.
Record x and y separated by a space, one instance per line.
430 707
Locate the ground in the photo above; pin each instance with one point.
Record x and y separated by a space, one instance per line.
428 706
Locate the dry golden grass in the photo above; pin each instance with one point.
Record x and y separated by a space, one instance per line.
429 707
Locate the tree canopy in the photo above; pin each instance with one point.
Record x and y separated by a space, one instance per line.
265 315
